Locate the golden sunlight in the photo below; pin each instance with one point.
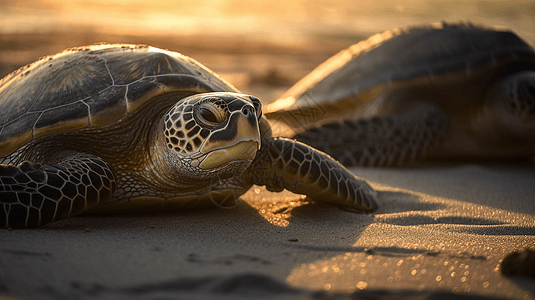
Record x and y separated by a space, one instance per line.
273 19
274 208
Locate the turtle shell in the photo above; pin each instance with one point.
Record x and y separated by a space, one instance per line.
93 86
405 58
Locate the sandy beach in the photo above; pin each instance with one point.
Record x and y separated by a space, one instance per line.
440 233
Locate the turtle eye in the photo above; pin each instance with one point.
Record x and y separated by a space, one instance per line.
209 114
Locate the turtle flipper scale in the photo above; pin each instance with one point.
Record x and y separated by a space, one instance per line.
299 168
392 140
33 195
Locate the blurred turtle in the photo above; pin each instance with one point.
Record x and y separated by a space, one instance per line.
440 91
121 127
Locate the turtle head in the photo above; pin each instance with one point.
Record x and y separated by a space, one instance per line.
511 108
212 135
516 100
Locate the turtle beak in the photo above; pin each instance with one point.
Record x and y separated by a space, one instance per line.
239 140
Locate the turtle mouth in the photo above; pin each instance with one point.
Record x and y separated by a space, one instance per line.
243 150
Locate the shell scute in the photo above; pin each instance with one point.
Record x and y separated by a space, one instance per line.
16 133
68 117
481 61
131 66
107 106
140 91
77 79
187 82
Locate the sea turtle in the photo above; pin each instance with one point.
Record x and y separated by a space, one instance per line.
121 127
444 91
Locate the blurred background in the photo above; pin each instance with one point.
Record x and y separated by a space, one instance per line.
261 46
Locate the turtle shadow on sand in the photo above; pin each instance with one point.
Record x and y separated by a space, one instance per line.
260 242
249 238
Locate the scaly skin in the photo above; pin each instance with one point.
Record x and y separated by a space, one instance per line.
33 195
392 140
288 164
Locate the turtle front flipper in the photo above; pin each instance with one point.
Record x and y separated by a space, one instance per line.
299 168
392 140
33 195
